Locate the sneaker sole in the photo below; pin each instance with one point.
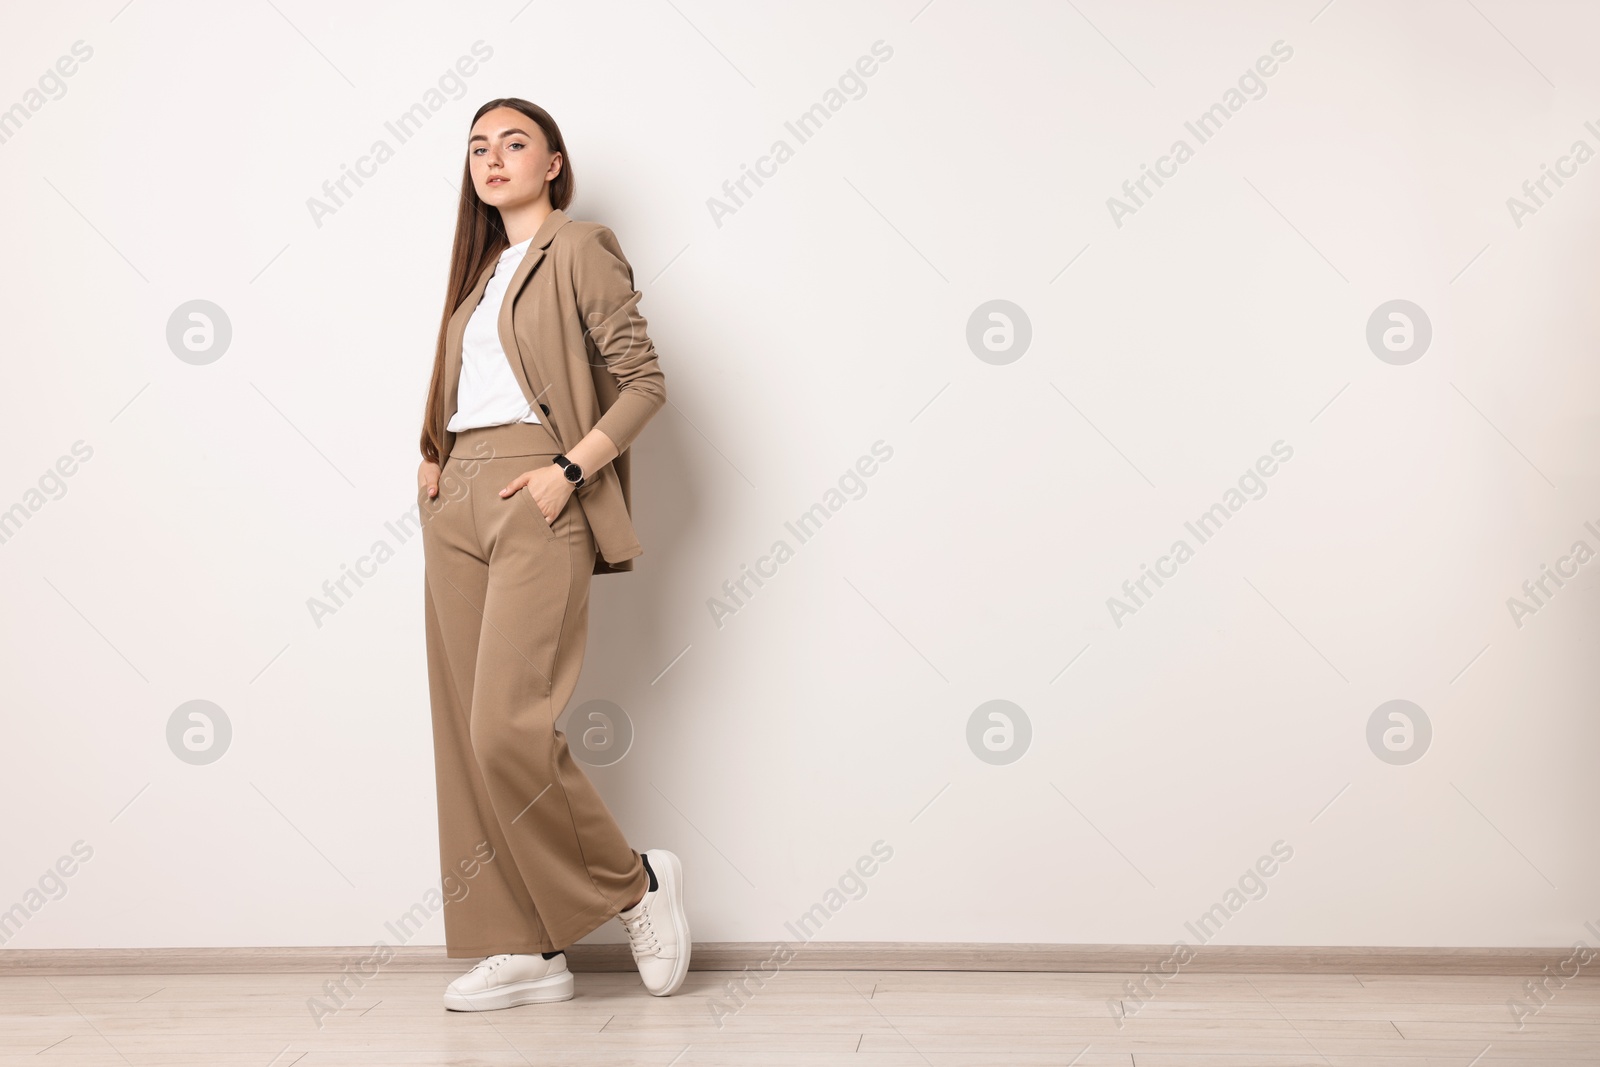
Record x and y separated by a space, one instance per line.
547 990
680 920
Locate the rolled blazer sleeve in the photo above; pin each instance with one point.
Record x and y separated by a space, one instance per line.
609 305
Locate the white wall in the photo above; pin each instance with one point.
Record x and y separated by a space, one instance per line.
828 312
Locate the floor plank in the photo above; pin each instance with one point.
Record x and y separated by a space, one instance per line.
805 1018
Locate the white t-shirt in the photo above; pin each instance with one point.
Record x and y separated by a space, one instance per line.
488 393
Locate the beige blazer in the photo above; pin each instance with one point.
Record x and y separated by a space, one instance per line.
577 343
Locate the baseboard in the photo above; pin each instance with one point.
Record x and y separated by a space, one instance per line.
818 956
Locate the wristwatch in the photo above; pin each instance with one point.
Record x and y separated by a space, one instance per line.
573 472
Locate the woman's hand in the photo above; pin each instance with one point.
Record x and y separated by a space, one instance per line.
428 478
547 485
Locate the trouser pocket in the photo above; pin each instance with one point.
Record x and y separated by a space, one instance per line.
538 516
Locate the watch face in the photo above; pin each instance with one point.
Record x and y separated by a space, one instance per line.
572 472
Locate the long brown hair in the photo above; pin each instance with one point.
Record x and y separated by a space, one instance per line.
480 237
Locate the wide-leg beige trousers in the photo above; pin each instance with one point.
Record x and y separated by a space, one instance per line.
507 611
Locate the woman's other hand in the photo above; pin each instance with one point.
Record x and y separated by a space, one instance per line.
428 478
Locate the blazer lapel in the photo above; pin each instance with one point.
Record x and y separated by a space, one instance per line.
529 381
525 365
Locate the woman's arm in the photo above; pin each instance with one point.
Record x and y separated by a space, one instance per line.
592 453
609 304
602 281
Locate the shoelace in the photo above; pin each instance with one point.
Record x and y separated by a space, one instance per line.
642 932
491 963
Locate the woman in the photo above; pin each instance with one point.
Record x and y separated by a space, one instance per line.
542 377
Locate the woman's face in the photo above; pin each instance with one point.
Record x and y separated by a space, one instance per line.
510 161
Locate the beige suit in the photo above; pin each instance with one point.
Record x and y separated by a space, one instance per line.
578 345
507 602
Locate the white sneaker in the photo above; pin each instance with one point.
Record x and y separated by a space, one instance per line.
658 928
509 979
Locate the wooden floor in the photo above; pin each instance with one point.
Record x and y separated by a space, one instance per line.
863 1018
